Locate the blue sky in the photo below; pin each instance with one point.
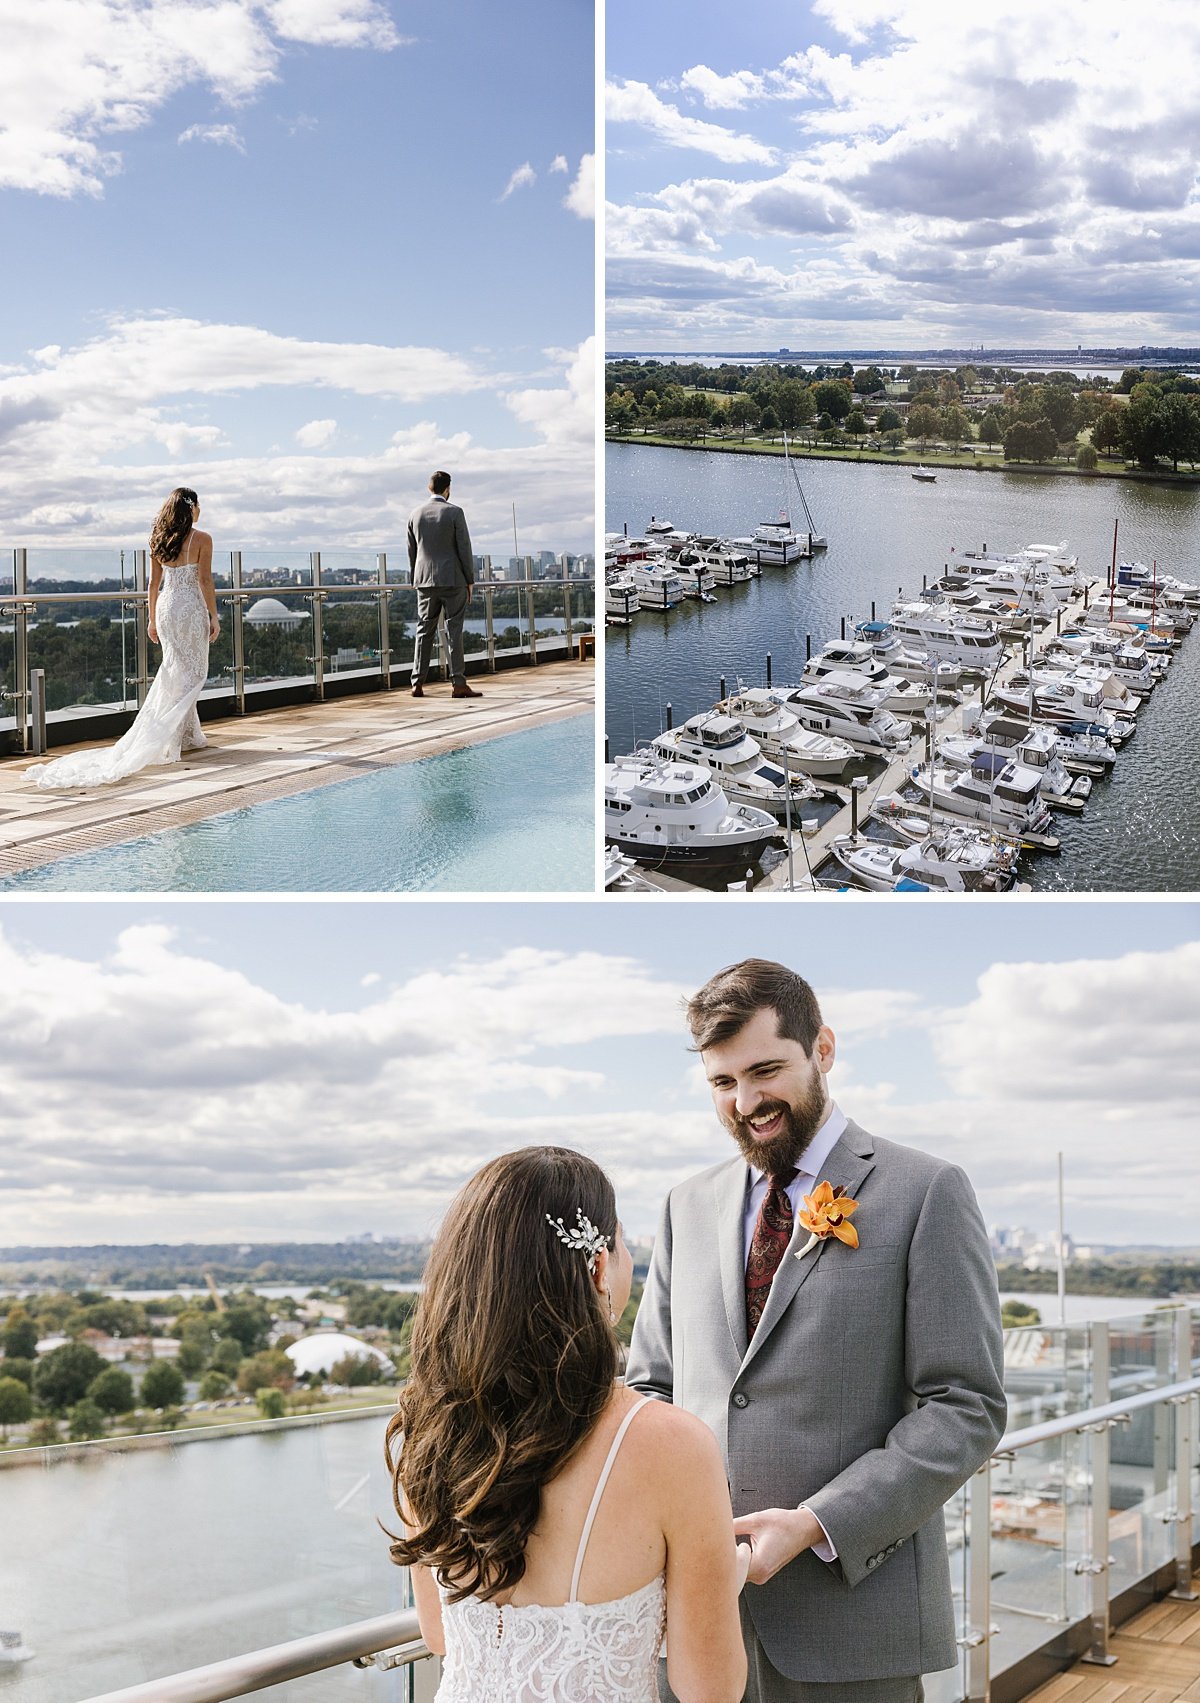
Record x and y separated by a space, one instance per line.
901 173
265 247
234 1071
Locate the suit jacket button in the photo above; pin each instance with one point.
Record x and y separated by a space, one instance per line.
741 1400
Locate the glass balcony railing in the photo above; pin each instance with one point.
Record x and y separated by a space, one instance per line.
292 621
170 1555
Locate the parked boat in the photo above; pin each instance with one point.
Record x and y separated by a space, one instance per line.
775 543
845 713
659 587
851 662
995 789
664 814
924 475
721 743
972 643
950 860
781 736
622 600
1035 747
908 663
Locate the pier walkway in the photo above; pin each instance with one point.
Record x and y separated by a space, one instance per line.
1158 1661
276 753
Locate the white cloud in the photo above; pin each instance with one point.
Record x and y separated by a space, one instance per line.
636 103
559 163
100 430
224 135
520 179
581 197
77 72
316 434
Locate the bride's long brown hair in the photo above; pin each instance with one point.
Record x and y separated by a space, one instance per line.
175 520
513 1362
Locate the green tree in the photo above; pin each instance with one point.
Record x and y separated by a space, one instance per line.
272 1403
271 1367
769 422
1086 458
990 429
867 380
1180 425
1106 433
355 1369
1013 1313
856 422
833 397
1143 433
112 1391
162 1385
888 421
16 1405
192 1357
227 1357
214 1385
743 413
248 1322
922 423
85 1420
22 1370
20 1335
955 425
43 1432
62 1377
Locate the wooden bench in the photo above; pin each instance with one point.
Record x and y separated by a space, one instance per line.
587 646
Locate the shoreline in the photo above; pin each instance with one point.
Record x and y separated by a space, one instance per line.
1138 476
48 1454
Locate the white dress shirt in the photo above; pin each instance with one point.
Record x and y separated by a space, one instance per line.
813 1161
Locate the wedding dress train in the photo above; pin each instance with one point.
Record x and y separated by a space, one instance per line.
574 1653
167 722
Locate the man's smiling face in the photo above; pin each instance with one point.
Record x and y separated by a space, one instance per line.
768 1092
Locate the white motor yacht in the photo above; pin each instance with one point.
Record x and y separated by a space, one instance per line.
781 736
973 644
736 761
1059 700
663 814
924 475
694 577
726 565
899 658
845 713
659 586
905 697
622 600
1083 746
950 860
775 543
1036 747
995 789
1137 574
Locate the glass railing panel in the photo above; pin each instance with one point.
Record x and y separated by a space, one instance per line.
1047 1372
510 619
349 631
1040 1507
402 622
273 571
8 672
278 639
137 1563
89 653
550 621
1141 1349
7 576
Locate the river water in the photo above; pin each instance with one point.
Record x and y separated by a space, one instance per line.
1141 829
123 1567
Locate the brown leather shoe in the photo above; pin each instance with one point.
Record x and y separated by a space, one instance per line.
465 691
418 690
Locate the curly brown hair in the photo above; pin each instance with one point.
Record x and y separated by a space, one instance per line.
175 520
514 1360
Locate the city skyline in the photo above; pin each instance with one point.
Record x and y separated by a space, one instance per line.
250 253
175 1076
893 172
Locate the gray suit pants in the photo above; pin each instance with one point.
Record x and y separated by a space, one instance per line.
432 601
765 1683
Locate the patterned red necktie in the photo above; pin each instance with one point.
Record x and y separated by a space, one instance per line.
772 1233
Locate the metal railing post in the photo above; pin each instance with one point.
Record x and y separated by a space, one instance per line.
318 651
532 614
1185 1448
237 632
385 631
1164 1346
19 694
1098 1561
141 679
566 584
977 1631
489 614
37 711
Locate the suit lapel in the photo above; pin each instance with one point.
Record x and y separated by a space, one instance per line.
848 1164
731 1186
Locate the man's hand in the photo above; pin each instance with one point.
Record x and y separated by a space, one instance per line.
777 1536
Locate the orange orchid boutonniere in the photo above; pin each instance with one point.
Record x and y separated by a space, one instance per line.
827 1212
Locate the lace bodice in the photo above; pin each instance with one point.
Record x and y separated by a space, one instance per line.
575 1652
167 722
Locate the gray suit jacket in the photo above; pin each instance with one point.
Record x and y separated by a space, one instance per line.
439 545
871 1391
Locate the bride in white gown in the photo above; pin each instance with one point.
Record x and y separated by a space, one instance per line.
183 617
555 1522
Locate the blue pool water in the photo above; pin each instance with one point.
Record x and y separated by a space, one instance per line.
514 814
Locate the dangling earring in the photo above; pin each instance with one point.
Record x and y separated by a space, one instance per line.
612 1317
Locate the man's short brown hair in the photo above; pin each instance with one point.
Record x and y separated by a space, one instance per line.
727 1002
439 483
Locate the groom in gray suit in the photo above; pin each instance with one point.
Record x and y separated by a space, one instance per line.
443 572
826 1301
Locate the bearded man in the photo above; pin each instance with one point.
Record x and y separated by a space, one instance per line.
826 1301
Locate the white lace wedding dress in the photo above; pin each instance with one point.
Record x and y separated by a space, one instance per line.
603 1652
167 722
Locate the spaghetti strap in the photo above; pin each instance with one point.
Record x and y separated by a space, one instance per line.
601 1482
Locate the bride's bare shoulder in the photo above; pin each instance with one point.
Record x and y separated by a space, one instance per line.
673 1435
201 537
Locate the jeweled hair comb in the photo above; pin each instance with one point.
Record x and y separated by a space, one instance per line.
584 1238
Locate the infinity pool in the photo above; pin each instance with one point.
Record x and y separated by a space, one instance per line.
514 814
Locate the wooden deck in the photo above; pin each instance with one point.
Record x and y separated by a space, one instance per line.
275 753
1158 1661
